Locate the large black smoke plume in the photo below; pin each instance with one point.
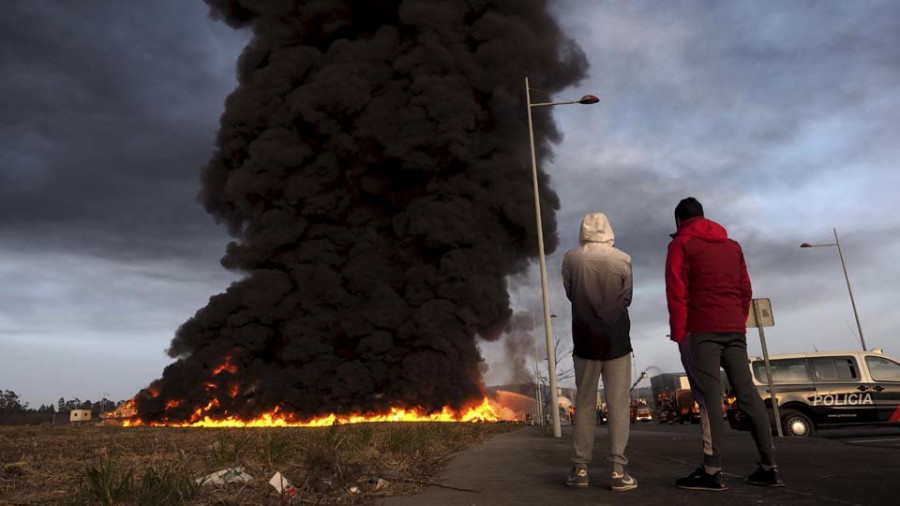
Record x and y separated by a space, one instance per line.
372 167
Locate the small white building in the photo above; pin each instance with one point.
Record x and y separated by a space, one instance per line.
80 415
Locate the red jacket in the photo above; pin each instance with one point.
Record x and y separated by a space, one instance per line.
707 285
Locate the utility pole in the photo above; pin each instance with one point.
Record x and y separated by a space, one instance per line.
537 374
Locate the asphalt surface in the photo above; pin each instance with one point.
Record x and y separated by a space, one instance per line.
528 466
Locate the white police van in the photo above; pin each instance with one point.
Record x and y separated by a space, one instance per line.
828 390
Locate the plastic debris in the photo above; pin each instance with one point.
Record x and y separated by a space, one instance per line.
377 483
354 489
283 486
225 476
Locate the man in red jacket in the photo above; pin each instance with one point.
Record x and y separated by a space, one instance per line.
708 291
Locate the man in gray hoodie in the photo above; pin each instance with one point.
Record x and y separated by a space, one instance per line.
598 282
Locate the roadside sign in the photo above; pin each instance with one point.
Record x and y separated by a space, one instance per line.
761 311
765 312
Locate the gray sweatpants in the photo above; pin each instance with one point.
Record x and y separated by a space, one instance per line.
708 351
616 382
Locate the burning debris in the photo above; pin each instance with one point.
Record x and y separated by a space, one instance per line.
126 411
372 167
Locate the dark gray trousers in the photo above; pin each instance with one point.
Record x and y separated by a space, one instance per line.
708 351
684 348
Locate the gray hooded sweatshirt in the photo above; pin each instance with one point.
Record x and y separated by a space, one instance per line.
598 282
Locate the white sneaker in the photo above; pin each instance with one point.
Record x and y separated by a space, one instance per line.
621 482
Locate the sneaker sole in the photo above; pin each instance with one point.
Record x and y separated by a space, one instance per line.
763 484
685 487
576 485
623 489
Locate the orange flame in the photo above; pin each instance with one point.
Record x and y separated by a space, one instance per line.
226 366
483 412
126 410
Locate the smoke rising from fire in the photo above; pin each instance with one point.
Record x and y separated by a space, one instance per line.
518 347
372 167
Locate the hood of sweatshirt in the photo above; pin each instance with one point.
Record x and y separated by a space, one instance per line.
595 228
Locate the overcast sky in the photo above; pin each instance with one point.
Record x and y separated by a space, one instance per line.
782 118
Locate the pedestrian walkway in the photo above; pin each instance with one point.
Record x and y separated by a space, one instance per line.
528 467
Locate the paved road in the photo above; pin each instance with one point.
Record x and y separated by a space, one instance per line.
528 467
875 438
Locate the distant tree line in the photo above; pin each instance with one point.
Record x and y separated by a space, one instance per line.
13 411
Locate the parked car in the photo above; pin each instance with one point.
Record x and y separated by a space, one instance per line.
827 390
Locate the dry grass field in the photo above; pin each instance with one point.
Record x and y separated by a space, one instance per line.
160 466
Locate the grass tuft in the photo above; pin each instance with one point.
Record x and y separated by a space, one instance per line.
165 485
274 448
409 439
107 484
228 448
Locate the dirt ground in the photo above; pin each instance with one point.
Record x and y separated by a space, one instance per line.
351 464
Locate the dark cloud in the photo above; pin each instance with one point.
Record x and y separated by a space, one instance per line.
112 115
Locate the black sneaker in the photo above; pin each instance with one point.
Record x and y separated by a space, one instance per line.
701 480
770 478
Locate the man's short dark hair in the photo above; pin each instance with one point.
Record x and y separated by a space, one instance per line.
688 208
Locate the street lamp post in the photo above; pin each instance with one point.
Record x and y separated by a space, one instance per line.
837 243
548 327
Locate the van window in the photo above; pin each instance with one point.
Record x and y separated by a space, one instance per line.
788 370
834 369
883 369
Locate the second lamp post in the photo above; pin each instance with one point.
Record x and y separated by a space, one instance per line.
837 243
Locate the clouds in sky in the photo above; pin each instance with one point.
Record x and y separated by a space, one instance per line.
782 118
108 113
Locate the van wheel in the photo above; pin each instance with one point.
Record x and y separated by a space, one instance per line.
796 424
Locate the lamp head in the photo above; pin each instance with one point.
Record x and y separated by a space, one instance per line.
806 245
588 99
